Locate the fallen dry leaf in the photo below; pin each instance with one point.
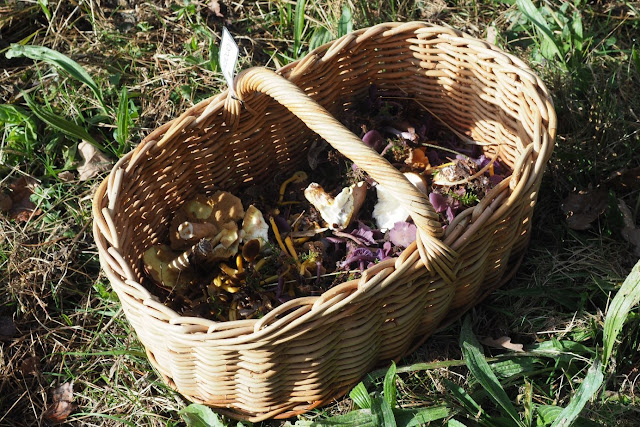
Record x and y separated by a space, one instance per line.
94 161
625 178
629 232
214 6
5 202
62 405
66 176
29 366
22 208
502 342
583 208
313 155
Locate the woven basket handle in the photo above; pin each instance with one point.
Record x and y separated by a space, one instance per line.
434 253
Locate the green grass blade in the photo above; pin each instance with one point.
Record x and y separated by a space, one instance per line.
298 26
43 5
455 423
57 122
319 37
548 413
122 119
627 297
512 367
360 396
636 58
389 389
82 415
590 385
75 70
345 25
482 371
420 417
533 14
14 115
357 418
382 411
463 397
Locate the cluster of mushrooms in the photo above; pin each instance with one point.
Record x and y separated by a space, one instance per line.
222 249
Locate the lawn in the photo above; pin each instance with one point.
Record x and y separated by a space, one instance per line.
558 344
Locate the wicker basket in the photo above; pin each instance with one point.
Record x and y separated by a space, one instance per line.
311 350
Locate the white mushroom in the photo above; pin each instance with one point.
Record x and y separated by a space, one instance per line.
339 211
254 226
229 235
388 210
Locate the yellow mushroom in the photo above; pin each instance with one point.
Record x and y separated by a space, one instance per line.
297 177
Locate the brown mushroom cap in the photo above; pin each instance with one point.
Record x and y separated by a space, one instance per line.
198 209
250 250
226 207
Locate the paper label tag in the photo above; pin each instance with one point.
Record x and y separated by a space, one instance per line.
228 58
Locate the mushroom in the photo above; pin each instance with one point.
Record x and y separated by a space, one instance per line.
225 244
198 208
195 212
417 159
226 207
339 211
203 217
297 177
195 230
160 266
387 210
254 227
230 279
250 250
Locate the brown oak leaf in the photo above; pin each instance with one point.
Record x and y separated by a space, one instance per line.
94 161
29 366
584 207
62 405
503 342
214 6
22 208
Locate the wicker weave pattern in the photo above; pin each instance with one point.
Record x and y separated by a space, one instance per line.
311 349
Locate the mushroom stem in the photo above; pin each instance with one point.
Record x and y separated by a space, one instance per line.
276 232
196 230
239 264
232 311
260 264
181 262
298 176
228 270
292 250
